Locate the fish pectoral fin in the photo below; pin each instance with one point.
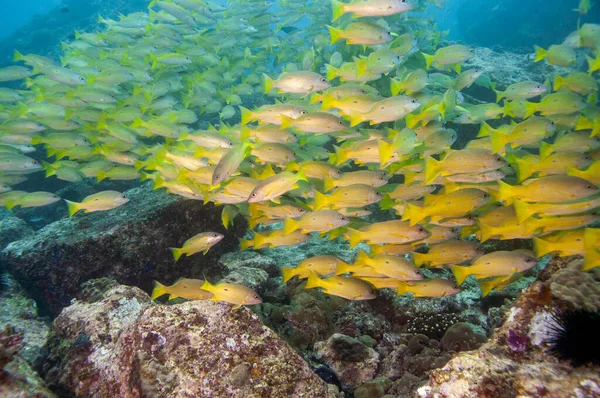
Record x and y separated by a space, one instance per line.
204 252
235 307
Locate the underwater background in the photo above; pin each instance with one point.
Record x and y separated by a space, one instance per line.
288 198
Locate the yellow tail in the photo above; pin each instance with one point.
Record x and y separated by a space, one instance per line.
158 290
287 273
73 207
530 109
332 71
259 240
335 34
524 169
541 247
356 118
498 140
402 288
487 232
395 87
505 191
416 213
591 259
355 237
17 56
177 252
419 259
289 226
245 244
487 286
320 201
328 101
523 210
499 95
362 258
432 169
337 8
386 151
246 115
328 184
267 84
545 150
361 67
460 273
312 281
559 82
428 60
540 54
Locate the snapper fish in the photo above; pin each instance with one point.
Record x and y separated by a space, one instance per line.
370 8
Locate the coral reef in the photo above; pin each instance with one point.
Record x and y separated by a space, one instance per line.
514 361
12 229
576 288
129 243
124 346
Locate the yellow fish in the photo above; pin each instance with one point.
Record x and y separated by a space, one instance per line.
321 265
394 231
499 263
232 293
189 289
105 200
437 287
448 253
316 221
201 242
345 287
396 267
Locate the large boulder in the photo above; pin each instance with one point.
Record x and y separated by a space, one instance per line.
130 244
125 346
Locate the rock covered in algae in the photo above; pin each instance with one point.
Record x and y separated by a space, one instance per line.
20 313
125 346
17 377
513 362
130 243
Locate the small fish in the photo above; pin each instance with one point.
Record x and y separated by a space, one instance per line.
201 242
316 221
33 199
189 289
370 8
499 263
556 54
299 82
396 267
232 293
105 200
448 253
367 33
521 91
321 265
345 287
437 287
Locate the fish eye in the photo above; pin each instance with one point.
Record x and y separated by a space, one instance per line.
323 80
253 195
528 260
217 177
588 187
303 112
215 235
341 123
414 101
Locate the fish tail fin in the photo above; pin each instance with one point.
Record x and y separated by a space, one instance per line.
246 115
332 72
73 207
416 213
337 8
314 98
387 202
328 101
545 150
524 169
487 231
411 121
591 259
267 83
419 259
428 60
499 95
286 122
432 169
289 226
245 244
386 151
402 288
320 201
505 191
259 240
328 184
460 273
540 54
485 130
356 118
287 274
101 175
486 287
523 210
17 56
541 247
355 237
395 87
342 268
158 290
559 82
312 281
50 171
341 155
177 252
530 109
335 34
362 257
361 66
207 286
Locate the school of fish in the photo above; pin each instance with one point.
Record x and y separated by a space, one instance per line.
350 114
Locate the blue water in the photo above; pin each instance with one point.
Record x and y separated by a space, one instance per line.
16 13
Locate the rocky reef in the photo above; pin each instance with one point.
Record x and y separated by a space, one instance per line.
123 345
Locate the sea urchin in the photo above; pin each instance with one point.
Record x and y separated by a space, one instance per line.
574 337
